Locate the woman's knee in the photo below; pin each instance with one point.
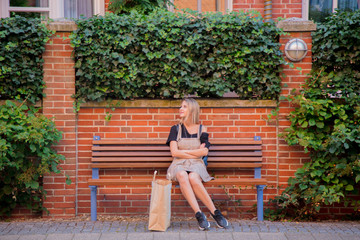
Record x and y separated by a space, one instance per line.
195 178
182 176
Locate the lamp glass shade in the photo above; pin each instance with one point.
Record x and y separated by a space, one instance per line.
296 49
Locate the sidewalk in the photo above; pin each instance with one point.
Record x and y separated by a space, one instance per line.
186 230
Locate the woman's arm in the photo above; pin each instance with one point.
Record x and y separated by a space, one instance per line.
198 153
175 152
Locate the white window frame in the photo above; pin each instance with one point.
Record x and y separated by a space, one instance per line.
55 9
228 6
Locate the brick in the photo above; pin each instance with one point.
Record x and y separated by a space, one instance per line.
137 123
136 135
223 110
142 117
223 123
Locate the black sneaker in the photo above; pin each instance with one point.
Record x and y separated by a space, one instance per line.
220 219
203 223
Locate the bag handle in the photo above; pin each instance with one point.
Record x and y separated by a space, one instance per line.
155 172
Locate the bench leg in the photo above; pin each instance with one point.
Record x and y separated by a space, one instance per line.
93 203
260 202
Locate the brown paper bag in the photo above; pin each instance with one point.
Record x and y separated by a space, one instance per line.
160 205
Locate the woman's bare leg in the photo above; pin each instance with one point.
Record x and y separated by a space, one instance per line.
187 191
200 191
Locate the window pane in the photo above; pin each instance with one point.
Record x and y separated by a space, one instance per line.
78 8
30 14
348 4
29 3
319 9
206 5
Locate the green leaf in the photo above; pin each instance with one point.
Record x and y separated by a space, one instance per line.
357 178
349 188
312 122
33 185
320 124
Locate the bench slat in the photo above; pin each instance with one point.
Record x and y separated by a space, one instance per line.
166 148
166 165
147 181
133 148
167 153
169 159
133 159
138 154
230 153
163 141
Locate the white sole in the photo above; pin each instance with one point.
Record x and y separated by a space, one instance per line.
227 224
203 229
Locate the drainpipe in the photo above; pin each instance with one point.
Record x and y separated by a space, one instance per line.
267 10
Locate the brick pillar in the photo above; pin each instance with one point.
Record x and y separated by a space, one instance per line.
292 158
59 76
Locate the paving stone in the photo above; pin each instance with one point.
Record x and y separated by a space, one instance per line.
217 236
113 236
131 227
192 235
59 236
140 236
32 237
272 236
166 235
245 235
86 236
299 236
10 237
350 236
142 227
326 236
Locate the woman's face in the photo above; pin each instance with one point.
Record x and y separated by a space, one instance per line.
184 109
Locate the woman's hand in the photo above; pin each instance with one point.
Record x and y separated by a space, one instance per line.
175 152
198 153
187 154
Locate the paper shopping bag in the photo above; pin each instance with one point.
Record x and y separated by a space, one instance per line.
160 205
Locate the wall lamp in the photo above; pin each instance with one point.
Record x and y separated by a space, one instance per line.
296 50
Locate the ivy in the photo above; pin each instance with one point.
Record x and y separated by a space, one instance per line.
22 43
326 123
143 6
170 55
336 42
26 154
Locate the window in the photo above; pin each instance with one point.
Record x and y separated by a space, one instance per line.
55 9
203 5
318 10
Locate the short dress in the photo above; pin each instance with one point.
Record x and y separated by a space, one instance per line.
188 141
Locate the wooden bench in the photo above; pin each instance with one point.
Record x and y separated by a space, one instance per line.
154 154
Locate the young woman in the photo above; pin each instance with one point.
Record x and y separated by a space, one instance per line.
188 143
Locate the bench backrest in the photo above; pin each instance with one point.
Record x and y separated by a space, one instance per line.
154 153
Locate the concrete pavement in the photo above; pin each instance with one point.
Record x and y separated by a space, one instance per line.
179 230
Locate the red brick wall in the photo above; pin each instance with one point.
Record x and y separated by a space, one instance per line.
59 75
291 158
257 5
156 123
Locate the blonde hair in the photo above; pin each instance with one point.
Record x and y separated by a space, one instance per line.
193 111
